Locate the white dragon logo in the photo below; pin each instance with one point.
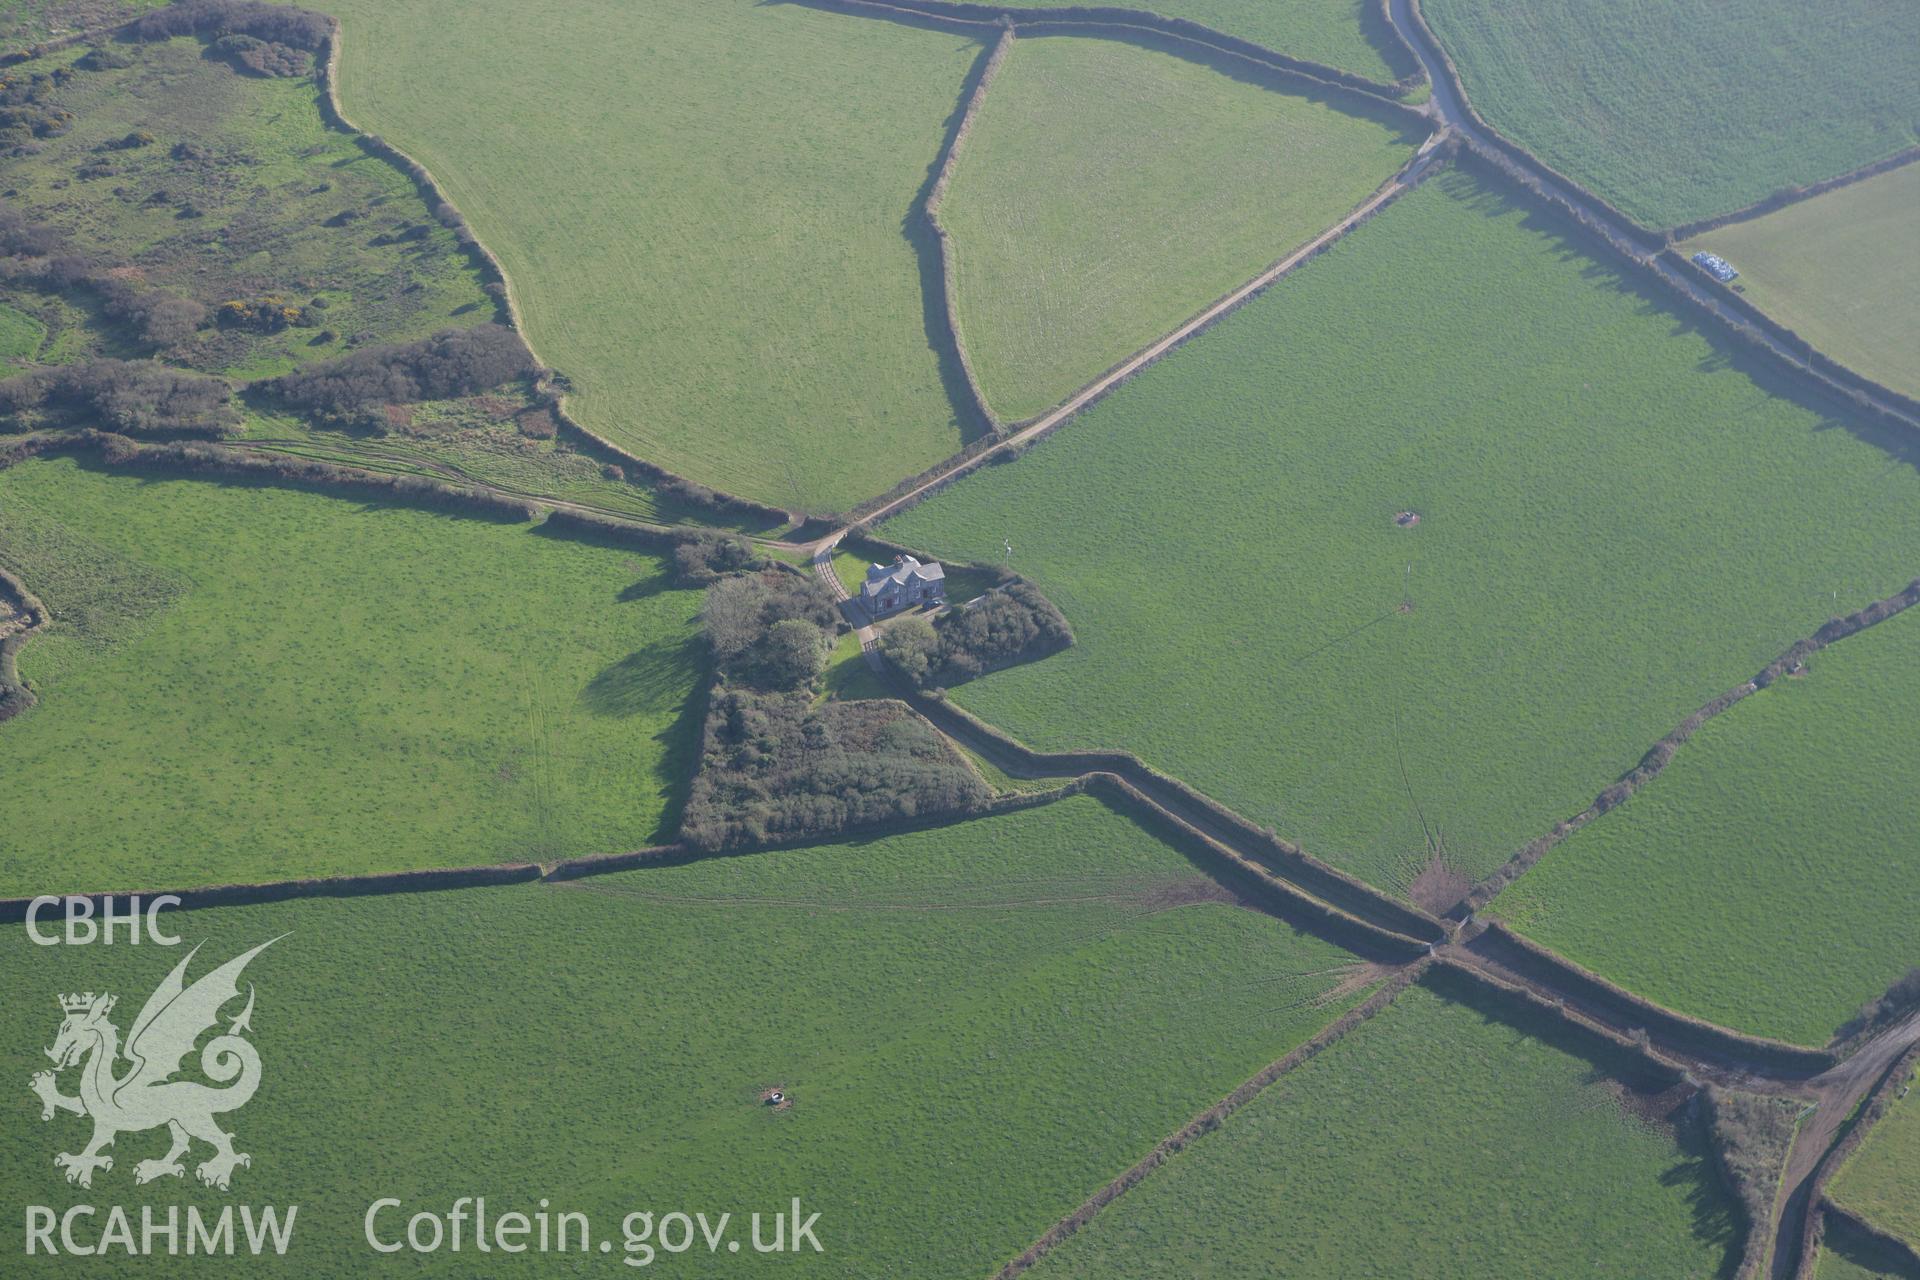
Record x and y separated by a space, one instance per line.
148 1096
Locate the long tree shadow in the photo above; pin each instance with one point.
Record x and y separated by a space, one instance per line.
1496 195
918 231
680 755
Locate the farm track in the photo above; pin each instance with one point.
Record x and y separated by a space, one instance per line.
1409 176
1814 1158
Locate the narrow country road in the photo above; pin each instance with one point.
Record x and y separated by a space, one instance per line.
1449 108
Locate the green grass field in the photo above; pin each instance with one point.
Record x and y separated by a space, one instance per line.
243 215
1842 270
1617 523
1108 191
1882 1181
1439 1140
1765 879
1684 109
704 211
259 684
978 1026
1348 34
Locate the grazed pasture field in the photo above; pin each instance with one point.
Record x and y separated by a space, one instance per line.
1687 108
1882 1181
244 192
992 1019
1766 879
1617 523
1108 191
257 684
1348 34
1842 270
1438 1139
704 209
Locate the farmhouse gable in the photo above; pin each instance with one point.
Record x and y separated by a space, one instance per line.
903 584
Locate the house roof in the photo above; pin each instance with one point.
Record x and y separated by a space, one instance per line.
903 570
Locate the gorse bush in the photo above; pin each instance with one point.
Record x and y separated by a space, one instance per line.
24 110
131 397
451 363
262 57
39 254
774 768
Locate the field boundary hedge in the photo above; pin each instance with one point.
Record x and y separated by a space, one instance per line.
1817 363
1210 1119
15 696
14 910
423 879
1329 888
1597 1033
1662 752
1512 150
1794 195
1524 959
1279 896
1651 253
326 72
335 479
1872 1108
910 492
1079 19
931 209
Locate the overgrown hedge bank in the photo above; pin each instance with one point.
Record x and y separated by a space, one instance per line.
1335 889
1526 958
192 458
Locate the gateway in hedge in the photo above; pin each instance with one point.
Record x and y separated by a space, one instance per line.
901 585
